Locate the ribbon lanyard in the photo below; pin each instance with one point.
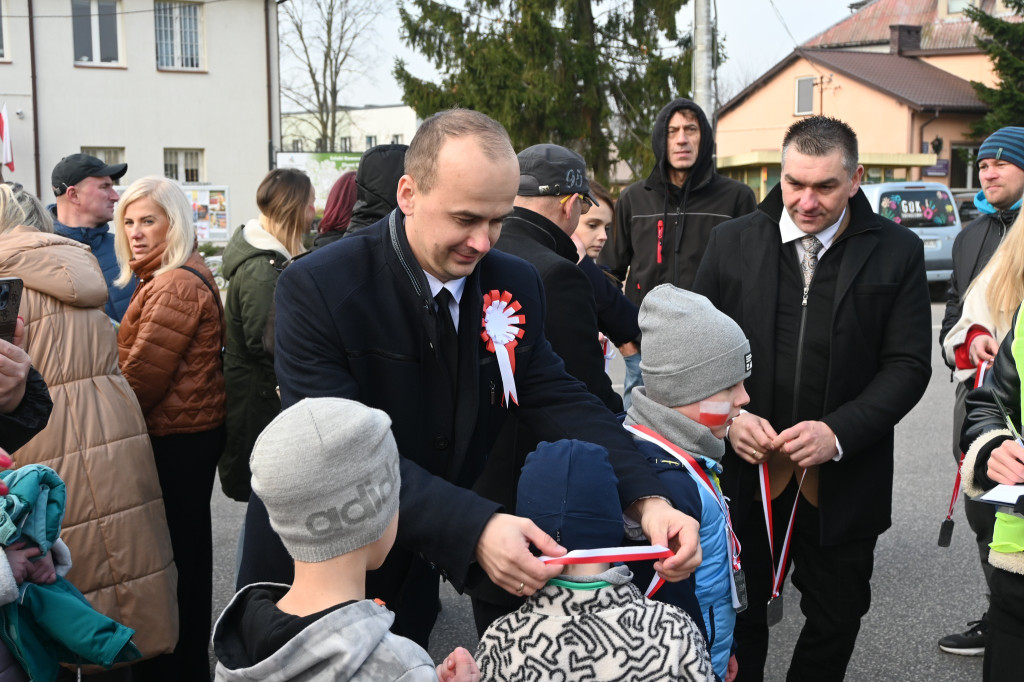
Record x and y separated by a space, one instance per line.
698 472
766 502
609 555
946 528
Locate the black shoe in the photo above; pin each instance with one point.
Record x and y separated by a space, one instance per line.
971 642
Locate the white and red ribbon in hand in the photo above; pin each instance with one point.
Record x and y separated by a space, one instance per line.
609 555
500 333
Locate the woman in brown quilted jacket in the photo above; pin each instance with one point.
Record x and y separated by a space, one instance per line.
96 438
169 346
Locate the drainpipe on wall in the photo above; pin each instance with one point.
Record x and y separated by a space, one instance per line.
270 88
35 98
920 143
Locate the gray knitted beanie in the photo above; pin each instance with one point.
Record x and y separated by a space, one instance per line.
690 350
327 471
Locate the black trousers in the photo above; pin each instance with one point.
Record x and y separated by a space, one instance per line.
1004 655
834 584
186 464
981 517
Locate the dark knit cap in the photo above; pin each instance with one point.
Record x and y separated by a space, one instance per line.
568 488
1005 144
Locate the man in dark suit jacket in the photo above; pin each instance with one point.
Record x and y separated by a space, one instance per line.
834 300
393 316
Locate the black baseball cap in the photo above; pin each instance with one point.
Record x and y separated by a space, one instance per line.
73 169
551 170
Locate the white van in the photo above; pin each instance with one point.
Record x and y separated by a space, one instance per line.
928 209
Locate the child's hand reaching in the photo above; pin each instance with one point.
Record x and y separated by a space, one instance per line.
43 571
459 666
20 559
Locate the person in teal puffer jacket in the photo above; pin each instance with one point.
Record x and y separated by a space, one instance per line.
49 622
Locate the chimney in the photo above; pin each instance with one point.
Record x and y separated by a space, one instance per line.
903 38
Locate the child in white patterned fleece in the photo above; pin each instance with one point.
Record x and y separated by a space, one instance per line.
591 622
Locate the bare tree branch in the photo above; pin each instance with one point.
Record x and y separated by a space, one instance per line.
328 44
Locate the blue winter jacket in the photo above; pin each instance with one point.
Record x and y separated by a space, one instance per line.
101 240
714 589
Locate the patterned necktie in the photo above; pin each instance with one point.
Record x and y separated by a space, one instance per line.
449 336
810 260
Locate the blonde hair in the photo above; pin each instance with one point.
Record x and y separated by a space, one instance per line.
11 213
283 198
1005 271
35 214
181 235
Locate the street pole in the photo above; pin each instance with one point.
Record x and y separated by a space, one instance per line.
702 46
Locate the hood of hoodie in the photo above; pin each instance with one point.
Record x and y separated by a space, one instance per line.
53 265
252 240
336 647
701 172
982 204
377 184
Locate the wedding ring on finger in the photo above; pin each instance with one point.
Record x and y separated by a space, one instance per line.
519 590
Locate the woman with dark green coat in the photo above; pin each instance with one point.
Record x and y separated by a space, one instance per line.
253 260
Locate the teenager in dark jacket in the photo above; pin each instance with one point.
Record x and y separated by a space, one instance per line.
376 184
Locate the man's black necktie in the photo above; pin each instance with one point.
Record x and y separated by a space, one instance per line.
449 337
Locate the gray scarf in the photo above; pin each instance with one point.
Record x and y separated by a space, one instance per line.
694 438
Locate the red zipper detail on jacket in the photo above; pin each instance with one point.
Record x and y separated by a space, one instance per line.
661 235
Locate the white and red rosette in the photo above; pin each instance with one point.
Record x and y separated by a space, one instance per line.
500 333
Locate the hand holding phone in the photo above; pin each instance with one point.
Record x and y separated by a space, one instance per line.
14 362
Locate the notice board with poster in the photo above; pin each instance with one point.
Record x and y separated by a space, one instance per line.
211 212
323 169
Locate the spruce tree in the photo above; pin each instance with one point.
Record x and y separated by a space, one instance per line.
588 75
1004 44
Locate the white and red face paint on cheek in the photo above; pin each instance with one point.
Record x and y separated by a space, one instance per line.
714 412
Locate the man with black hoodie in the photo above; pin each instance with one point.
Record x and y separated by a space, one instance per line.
663 222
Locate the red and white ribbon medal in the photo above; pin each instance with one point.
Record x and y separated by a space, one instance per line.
610 555
738 582
774 611
500 333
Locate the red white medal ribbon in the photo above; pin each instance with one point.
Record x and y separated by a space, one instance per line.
698 472
766 504
609 555
979 379
500 333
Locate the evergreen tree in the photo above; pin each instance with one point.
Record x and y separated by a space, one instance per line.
590 75
1004 44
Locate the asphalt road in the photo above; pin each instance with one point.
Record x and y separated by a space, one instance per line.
921 591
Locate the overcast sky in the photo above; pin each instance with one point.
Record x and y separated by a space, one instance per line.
754 38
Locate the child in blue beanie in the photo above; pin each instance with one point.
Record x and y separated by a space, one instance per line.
695 361
590 619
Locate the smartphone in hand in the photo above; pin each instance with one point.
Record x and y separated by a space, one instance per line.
10 303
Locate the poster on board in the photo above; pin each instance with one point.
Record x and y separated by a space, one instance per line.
323 169
210 210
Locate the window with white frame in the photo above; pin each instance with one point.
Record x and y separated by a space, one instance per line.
184 165
178 35
108 155
95 31
297 144
957 6
396 139
804 96
345 144
371 141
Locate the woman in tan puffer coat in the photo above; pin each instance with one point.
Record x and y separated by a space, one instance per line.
96 438
170 344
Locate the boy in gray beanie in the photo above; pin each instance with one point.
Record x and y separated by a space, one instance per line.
695 361
327 470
